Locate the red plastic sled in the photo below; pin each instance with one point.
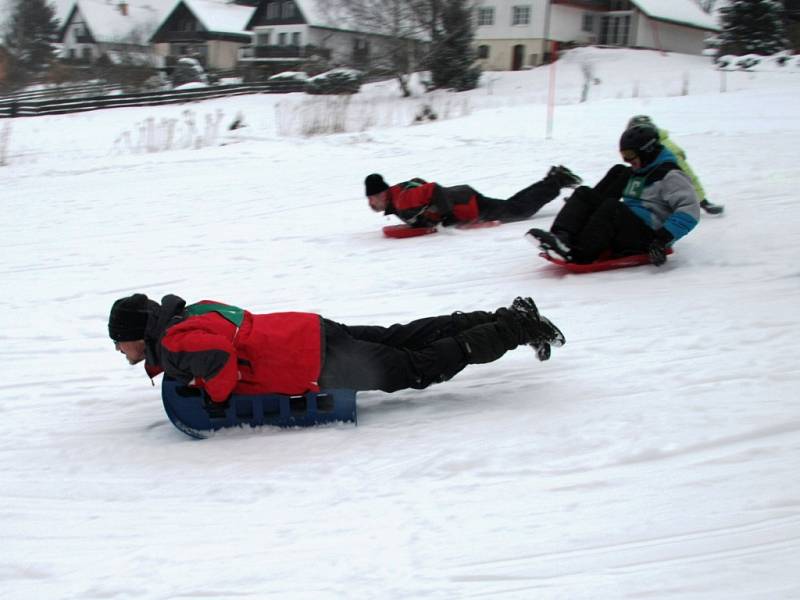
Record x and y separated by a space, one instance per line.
603 264
406 231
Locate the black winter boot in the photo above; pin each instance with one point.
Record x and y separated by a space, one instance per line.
538 326
550 242
563 177
540 333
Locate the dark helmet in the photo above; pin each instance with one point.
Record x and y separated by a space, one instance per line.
640 120
643 140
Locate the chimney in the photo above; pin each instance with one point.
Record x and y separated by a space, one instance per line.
123 8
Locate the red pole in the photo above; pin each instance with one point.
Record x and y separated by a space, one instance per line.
551 96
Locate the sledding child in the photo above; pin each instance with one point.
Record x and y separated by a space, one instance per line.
223 349
663 135
659 206
422 204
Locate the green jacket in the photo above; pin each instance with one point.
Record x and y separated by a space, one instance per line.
663 134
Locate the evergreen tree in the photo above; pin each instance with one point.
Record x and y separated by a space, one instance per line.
752 27
30 34
452 57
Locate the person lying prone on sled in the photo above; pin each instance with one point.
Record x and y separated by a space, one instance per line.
420 203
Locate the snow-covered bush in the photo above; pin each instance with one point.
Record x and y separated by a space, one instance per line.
188 70
725 62
299 76
748 61
335 81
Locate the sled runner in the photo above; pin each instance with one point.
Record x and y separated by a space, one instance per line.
193 413
602 264
406 231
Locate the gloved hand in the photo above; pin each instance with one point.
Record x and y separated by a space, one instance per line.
657 252
658 247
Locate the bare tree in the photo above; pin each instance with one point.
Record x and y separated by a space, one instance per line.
398 28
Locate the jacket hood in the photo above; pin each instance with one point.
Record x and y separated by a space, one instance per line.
169 313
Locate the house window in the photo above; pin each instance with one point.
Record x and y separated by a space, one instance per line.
587 24
485 15
520 15
281 39
624 30
360 51
295 39
287 10
483 51
273 10
86 53
262 39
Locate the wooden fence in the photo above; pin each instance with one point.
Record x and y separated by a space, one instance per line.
31 104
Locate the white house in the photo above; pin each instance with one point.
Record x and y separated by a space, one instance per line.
120 30
514 34
211 31
296 31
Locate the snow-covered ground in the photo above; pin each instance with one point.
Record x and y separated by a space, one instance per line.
655 456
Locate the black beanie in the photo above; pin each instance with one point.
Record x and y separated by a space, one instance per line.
375 184
128 318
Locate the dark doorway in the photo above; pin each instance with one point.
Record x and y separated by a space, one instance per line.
519 57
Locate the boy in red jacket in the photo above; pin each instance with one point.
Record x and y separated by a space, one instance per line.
421 204
224 349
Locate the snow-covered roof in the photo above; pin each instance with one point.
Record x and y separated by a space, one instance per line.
107 23
219 17
330 14
335 14
681 12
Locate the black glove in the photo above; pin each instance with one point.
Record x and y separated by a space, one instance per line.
658 247
657 252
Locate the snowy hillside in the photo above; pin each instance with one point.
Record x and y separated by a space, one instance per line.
654 456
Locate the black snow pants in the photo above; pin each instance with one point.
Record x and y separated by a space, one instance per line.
522 205
594 221
412 355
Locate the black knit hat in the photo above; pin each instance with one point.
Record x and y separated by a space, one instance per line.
128 318
375 184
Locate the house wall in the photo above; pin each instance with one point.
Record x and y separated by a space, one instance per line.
502 35
340 43
566 24
223 55
648 33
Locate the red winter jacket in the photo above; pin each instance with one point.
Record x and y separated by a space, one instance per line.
419 203
270 353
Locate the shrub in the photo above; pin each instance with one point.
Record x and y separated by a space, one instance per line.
335 81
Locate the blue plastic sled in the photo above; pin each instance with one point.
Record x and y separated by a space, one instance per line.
191 411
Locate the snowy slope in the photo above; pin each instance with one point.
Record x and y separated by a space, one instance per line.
655 455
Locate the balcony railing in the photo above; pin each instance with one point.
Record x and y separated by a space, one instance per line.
255 53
